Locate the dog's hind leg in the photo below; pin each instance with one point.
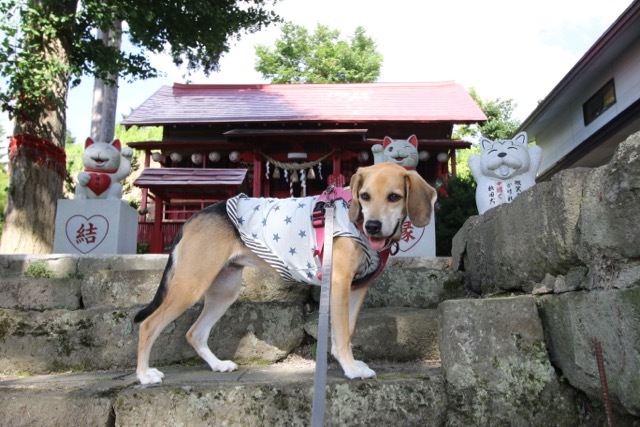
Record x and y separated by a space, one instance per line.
217 299
188 281
167 312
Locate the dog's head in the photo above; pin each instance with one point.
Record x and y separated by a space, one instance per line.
383 195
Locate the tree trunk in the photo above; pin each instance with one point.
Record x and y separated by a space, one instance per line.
105 94
36 171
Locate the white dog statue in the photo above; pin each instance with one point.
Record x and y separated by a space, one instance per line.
105 164
503 170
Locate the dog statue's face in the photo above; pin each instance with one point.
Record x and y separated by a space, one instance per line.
383 196
504 159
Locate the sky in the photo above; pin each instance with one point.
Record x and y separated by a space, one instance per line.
506 49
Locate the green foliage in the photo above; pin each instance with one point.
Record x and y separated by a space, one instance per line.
74 165
45 41
39 269
453 210
321 57
499 125
135 133
30 68
462 161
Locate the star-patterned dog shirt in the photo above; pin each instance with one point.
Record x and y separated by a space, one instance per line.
280 232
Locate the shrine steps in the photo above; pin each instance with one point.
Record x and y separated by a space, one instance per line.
69 348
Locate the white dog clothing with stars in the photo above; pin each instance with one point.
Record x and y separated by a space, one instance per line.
280 232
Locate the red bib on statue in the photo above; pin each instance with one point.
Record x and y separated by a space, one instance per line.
99 183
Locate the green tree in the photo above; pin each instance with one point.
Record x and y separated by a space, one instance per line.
500 124
47 45
453 210
321 57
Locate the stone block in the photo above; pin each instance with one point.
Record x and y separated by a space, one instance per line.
40 293
391 401
496 365
415 287
95 226
392 333
263 286
574 321
119 288
106 338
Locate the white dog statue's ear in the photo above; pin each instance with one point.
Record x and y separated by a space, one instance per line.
485 143
521 139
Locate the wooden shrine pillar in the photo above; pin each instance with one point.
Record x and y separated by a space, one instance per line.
156 233
257 175
337 163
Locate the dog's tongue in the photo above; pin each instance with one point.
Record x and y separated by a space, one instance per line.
376 243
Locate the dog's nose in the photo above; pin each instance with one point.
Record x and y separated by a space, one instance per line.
373 227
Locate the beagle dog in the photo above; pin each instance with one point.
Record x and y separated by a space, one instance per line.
383 196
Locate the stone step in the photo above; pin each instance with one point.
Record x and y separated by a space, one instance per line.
281 394
79 317
75 282
106 338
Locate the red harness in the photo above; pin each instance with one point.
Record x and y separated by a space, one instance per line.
318 219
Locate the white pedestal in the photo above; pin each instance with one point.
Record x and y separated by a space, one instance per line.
95 227
418 242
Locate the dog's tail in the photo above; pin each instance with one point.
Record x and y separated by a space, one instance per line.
162 289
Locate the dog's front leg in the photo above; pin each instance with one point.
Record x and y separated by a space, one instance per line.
346 258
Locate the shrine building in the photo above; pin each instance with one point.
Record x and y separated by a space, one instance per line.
282 140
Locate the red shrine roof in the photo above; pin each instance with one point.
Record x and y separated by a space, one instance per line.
339 102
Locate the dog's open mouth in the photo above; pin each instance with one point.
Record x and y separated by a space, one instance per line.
377 243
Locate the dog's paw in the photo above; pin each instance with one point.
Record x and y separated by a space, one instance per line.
360 371
224 366
150 376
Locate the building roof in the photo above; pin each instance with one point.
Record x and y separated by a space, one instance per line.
352 102
601 62
169 183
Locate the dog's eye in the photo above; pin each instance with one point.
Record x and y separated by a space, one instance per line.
394 197
365 196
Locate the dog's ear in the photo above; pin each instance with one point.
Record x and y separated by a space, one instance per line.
420 199
354 209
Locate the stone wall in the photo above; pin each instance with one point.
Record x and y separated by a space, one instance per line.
573 243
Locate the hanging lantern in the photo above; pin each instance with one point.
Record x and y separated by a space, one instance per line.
214 156
196 158
443 157
176 157
424 155
234 156
156 156
363 156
